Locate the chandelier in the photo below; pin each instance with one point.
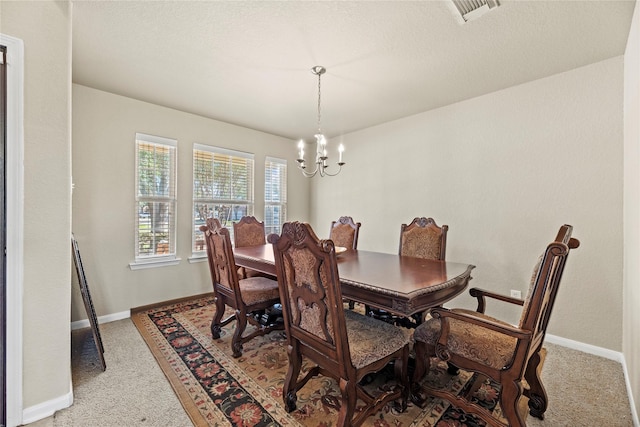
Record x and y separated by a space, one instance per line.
321 143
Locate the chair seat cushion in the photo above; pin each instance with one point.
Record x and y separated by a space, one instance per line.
255 290
371 339
470 341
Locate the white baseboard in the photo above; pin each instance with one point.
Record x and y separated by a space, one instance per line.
634 413
607 354
79 324
48 408
585 348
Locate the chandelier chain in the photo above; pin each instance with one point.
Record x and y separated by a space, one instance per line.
319 92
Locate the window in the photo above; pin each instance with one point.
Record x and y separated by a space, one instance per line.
275 194
222 188
155 215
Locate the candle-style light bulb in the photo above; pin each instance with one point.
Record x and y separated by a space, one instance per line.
340 150
301 149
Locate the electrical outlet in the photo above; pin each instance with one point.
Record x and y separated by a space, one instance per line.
516 294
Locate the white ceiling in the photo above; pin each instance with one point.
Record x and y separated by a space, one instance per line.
248 62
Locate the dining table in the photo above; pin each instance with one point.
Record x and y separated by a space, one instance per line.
401 285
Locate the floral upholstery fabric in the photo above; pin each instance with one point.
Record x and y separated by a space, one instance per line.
220 260
258 289
421 242
343 235
371 339
470 341
310 314
249 235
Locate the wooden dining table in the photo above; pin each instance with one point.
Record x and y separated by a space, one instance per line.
401 285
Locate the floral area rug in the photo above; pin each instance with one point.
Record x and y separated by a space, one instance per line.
217 390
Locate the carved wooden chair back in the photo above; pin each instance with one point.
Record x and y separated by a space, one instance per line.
544 285
422 238
508 355
344 232
247 296
221 259
343 344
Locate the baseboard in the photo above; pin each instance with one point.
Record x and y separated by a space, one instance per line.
585 348
48 408
634 413
170 302
80 324
607 354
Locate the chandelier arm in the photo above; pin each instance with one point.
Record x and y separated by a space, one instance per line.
308 174
324 170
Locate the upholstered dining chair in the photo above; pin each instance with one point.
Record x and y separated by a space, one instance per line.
340 343
344 232
250 297
249 232
506 354
422 238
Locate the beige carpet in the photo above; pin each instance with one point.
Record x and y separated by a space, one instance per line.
584 390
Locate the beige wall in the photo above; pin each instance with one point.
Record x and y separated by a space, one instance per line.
45 28
504 171
104 128
631 291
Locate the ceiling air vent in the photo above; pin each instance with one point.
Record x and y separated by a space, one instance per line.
466 10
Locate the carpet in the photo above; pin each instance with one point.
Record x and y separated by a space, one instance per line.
217 390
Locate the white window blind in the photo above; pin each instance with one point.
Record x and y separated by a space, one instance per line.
275 194
222 188
155 216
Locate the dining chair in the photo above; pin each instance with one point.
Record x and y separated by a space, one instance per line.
339 343
494 349
344 232
422 238
249 232
250 297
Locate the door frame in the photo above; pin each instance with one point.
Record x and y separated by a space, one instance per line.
15 224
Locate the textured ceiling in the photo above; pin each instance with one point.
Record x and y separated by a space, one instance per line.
248 62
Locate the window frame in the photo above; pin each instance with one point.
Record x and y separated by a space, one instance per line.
154 259
282 203
198 248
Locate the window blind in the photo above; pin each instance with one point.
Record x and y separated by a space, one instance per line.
155 197
222 188
275 194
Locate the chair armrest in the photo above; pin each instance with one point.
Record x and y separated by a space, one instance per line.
444 313
480 294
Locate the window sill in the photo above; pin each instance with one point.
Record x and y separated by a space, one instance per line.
163 262
197 257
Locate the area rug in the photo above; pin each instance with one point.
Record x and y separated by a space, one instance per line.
217 390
